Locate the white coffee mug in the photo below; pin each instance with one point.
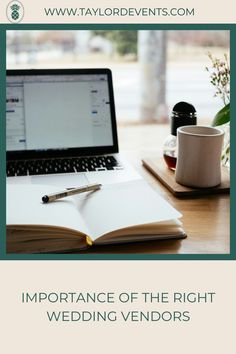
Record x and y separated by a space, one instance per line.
199 156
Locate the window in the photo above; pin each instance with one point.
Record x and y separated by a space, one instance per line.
152 70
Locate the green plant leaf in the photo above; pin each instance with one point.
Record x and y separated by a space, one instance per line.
222 117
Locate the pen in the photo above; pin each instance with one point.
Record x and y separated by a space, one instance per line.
70 191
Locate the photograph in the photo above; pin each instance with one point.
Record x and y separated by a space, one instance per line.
118 180
118 142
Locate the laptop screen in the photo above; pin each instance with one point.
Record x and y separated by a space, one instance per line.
48 110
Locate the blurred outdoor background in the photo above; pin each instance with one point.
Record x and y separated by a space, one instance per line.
152 70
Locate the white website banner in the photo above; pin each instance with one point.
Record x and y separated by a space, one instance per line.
122 11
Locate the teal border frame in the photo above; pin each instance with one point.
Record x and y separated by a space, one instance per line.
3 29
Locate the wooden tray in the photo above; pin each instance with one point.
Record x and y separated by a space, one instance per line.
158 168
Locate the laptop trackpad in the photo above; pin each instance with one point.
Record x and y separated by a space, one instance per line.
65 180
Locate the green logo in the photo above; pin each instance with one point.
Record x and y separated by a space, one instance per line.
15 11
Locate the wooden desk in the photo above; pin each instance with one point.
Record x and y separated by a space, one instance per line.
205 219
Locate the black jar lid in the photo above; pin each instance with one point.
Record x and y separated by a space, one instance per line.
183 113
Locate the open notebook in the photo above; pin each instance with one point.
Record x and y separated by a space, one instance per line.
125 212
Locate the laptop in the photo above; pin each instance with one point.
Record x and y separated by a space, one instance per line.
61 128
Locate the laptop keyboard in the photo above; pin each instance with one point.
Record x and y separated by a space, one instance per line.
62 165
